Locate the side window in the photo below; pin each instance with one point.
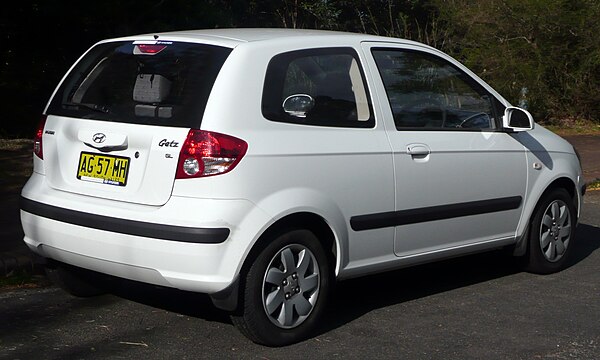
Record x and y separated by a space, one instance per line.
324 87
428 92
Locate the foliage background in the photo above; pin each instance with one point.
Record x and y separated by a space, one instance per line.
550 47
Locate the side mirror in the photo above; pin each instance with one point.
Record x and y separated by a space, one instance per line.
298 105
517 119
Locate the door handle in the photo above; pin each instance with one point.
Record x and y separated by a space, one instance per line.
418 150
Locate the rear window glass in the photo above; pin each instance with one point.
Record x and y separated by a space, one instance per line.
164 83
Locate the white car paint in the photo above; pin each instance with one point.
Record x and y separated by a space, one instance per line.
333 173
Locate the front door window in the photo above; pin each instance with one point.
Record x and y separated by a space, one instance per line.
430 93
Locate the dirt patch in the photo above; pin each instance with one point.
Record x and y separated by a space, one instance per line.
15 164
15 144
15 169
588 146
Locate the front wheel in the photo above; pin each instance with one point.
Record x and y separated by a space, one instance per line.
552 232
285 290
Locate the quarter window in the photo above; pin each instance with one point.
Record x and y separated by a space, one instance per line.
427 92
324 87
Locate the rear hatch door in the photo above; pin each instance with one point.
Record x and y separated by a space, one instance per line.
117 122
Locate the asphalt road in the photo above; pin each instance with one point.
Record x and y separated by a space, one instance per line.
479 307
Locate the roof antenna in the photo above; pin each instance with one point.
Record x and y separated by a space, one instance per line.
155 37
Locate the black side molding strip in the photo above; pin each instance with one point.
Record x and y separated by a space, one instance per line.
129 227
441 212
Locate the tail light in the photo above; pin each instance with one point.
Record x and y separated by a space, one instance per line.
206 153
37 139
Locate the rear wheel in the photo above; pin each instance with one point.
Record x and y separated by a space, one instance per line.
552 232
285 290
77 282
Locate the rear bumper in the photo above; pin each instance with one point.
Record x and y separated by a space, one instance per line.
124 226
188 243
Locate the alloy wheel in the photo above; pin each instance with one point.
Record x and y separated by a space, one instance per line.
555 230
291 286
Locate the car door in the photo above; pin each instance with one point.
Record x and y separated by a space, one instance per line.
460 180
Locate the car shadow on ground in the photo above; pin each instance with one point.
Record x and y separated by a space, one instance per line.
587 240
396 287
357 297
173 300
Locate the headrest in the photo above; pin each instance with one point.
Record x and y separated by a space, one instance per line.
151 88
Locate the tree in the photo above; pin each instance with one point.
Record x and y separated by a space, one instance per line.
550 47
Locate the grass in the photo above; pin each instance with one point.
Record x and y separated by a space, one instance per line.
15 168
15 144
15 164
22 280
573 127
594 185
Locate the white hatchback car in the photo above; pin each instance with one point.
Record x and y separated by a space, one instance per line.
261 165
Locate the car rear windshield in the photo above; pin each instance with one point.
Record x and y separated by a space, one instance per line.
158 83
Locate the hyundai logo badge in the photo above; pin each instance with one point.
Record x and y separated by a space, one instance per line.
99 138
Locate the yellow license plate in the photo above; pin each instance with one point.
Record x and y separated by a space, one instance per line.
103 169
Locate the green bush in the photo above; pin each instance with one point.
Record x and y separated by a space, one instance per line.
550 47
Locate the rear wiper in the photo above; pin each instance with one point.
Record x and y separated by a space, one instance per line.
95 107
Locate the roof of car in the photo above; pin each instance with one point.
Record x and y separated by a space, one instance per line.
232 37
258 34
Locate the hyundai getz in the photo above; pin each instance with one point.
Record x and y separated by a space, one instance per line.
259 166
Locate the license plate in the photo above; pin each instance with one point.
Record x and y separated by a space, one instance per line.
105 169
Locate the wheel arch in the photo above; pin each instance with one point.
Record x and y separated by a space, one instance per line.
558 183
561 183
229 298
300 220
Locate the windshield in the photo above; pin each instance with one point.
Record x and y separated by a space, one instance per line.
158 83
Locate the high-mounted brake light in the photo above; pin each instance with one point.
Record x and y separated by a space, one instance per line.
38 149
150 49
207 153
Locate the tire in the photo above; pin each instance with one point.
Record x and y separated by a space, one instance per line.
551 233
285 290
77 282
